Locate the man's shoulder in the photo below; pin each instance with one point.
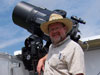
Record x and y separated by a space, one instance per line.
73 43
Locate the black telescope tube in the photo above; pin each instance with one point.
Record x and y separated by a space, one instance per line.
20 13
26 15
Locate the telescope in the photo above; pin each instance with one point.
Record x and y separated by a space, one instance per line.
30 17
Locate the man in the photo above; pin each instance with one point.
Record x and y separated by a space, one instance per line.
65 57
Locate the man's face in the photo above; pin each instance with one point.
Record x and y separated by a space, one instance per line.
57 32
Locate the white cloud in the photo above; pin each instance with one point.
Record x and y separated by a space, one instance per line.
11 34
12 42
91 15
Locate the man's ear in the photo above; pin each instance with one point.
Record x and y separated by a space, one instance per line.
65 28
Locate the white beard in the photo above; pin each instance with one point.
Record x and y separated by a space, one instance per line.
57 40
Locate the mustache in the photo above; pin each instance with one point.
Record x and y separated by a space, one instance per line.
55 41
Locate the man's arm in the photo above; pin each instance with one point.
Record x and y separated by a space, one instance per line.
41 64
77 65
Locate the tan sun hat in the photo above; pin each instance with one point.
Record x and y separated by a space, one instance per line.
56 18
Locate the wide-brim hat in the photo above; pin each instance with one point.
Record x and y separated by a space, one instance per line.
56 18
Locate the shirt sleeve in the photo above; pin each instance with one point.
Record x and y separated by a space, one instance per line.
76 65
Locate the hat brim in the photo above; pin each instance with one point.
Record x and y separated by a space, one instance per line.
67 22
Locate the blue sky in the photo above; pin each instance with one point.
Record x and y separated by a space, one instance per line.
12 36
